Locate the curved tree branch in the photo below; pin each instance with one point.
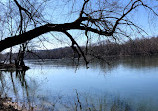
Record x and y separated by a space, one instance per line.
79 48
18 39
96 25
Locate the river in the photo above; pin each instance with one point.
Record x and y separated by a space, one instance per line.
127 84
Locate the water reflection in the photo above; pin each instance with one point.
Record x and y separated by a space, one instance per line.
80 101
140 62
56 86
131 62
13 84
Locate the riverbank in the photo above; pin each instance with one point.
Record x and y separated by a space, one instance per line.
12 67
7 105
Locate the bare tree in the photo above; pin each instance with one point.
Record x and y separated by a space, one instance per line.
105 19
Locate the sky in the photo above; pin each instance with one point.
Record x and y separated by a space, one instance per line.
68 13
60 11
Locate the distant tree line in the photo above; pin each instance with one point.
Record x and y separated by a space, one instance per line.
137 47
58 53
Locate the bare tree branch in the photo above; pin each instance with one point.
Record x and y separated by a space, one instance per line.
79 48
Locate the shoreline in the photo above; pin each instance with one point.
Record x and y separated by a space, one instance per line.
12 67
7 105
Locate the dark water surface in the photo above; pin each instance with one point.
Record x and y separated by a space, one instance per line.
128 84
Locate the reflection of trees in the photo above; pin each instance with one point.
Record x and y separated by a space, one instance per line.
135 62
73 64
2 83
105 102
17 82
13 78
132 62
79 101
23 91
140 62
103 66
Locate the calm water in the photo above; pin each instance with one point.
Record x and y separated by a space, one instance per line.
128 84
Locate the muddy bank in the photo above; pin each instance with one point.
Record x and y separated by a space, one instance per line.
7 105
